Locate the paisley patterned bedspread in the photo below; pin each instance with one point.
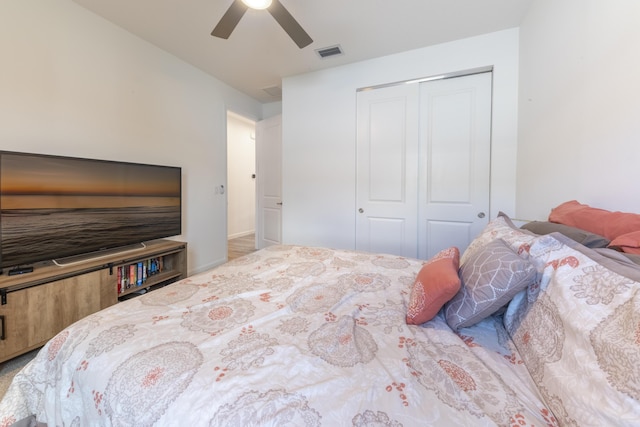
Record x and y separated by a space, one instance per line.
287 336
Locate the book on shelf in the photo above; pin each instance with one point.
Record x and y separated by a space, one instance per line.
136 274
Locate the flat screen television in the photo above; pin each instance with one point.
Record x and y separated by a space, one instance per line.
53 207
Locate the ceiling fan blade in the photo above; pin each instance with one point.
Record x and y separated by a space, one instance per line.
230 19
289 24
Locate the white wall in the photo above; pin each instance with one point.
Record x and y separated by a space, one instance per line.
579 125
73 84
319 132
241 187
271 109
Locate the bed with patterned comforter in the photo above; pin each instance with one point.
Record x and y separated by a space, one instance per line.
302 336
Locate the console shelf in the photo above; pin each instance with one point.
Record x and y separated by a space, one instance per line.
35 306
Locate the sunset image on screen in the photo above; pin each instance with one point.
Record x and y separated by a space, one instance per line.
59 183
53 206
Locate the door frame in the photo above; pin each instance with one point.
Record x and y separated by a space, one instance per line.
225 190
449 75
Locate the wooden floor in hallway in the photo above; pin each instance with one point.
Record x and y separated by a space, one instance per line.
241 246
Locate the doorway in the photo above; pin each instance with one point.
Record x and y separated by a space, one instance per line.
241 184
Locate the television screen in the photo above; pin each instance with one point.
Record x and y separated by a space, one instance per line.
53 207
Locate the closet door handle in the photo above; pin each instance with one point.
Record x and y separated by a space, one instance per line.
480 214
2 337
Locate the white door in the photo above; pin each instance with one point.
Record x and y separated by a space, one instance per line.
387 170
455 141
269 182
423 162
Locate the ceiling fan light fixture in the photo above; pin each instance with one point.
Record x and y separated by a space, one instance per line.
257 4
232 16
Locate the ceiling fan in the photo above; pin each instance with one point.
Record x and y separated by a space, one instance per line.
238 8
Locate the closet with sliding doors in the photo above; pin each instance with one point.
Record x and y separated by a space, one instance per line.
423 164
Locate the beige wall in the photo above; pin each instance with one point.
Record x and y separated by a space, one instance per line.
73 84
579 108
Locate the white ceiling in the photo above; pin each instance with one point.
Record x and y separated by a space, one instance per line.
259 53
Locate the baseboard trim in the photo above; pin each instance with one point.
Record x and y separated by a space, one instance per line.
242 234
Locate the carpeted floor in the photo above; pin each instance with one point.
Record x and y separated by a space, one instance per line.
11 367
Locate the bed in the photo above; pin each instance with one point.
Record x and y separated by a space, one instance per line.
306 336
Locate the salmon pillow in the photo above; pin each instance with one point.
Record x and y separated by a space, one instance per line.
629 243
599 221
436 283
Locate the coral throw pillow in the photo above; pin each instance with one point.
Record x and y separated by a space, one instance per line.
599 221
629 243
436 283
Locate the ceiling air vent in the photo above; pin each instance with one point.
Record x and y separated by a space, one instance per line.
275 91
326 52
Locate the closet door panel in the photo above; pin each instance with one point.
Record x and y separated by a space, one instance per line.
455 143
387 170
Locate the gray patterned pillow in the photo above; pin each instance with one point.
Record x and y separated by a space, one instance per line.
490 278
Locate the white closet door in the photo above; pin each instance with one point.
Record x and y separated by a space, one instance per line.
455 144
387 170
